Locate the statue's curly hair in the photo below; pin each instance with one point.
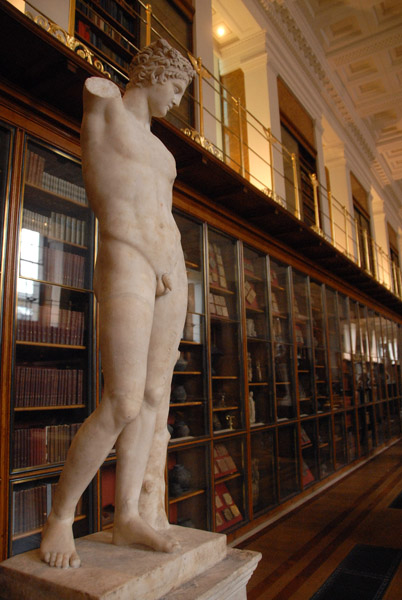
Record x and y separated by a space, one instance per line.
157 63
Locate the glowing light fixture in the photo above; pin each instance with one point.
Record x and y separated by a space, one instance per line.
221 30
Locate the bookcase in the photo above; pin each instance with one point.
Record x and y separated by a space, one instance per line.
268 370
52 377
110 29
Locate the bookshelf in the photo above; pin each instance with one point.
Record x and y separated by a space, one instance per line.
52 367
111 29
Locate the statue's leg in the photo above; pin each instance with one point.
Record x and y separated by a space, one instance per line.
125 329
169 317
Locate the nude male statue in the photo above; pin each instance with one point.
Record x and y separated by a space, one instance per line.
141 285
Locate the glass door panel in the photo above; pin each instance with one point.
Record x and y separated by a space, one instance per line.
374 354
288 461
309 449
263 478
351 435
381 419
346 345
335 349
230 506
358 362
303 342
257 336
188 415
341 455
321 380
52 377
325 446
282 342
366 377
225 335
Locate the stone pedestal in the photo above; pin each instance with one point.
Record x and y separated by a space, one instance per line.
204 569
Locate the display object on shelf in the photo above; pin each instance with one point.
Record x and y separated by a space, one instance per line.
227 512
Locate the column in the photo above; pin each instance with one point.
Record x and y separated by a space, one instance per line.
203 48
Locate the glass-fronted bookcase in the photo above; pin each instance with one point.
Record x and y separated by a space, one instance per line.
281 380
52 377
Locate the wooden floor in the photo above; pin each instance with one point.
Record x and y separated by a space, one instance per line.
302 549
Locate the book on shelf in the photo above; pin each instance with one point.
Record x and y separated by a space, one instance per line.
53 325
47 386
36 175
31 507
227 512
223 462
56 225
64 268
37 446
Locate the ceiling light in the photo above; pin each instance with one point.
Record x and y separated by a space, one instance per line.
221 30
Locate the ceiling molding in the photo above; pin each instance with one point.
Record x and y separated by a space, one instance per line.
279 16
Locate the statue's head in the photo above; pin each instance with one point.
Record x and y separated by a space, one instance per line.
157 63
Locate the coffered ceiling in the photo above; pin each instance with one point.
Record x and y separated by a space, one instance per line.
362 42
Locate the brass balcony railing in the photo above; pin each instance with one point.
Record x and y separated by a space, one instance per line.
223 126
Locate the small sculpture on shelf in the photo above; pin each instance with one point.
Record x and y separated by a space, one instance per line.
231 420
251 404
141 285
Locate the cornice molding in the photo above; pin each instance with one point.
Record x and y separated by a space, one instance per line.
340 58
283 21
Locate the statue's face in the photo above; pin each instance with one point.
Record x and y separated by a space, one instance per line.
163 96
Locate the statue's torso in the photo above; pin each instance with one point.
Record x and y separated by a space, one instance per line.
129 177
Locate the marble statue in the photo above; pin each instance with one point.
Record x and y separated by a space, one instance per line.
140 283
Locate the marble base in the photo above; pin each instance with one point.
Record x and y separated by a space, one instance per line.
111 572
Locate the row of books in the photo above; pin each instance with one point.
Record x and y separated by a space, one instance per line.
62 327
41 386
62 267
111 7
127 21
36 175
42 445
56 225
86 33
32 506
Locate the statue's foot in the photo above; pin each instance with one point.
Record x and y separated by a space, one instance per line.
58 548
135 530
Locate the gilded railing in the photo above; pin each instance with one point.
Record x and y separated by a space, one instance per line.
224 127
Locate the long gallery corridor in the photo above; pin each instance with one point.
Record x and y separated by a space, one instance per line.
302 549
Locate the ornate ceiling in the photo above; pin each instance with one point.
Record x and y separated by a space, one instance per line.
362 42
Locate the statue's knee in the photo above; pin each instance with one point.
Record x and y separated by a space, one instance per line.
154 396
125 407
